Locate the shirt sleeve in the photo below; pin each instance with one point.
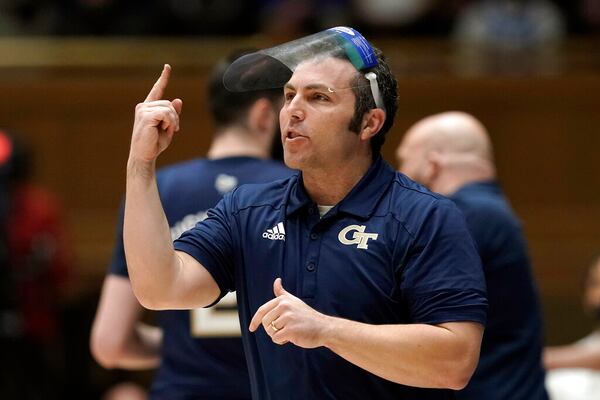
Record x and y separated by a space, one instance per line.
210 242
118 264
442 279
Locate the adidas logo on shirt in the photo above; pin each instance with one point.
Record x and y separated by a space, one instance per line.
275 233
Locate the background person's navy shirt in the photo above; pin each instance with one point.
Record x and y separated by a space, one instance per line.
211 367
510 362
421 268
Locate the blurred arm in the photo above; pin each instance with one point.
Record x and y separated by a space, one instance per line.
572 356
119 339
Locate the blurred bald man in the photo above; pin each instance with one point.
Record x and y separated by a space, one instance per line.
451 153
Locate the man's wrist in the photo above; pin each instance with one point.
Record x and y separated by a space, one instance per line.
140 168
330 328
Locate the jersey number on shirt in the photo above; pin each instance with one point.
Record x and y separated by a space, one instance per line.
221 320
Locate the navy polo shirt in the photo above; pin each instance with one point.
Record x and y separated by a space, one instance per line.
510 366
389 252
204 360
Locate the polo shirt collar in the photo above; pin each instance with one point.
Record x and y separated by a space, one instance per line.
297 198
362 199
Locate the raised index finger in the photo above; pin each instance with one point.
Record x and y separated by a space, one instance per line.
157 91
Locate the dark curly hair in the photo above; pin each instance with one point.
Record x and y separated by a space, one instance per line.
388 88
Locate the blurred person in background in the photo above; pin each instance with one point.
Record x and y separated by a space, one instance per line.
451 153
10 319
36 260
198 353
201 17
510 24
105 17
27 17
406 17
151 17
286 19
574 369
391 13
591 13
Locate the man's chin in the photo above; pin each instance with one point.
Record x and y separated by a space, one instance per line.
292 160
291 164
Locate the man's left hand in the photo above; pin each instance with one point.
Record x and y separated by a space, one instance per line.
286 318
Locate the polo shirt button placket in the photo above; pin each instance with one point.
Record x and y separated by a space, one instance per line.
311 267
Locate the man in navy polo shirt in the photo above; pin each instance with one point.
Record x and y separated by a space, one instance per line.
198 353
354 281
451 153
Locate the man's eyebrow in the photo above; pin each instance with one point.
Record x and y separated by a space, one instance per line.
311 86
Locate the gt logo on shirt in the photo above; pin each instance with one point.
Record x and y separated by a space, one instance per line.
359 237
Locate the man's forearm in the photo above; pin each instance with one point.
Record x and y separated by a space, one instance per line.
416 355
151 260
572 356
432 356
118 339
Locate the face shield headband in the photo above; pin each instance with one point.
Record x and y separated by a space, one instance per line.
272 68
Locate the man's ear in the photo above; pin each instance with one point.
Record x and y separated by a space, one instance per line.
372 123
434 160
261 116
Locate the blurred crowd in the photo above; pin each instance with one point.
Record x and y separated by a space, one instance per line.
470 19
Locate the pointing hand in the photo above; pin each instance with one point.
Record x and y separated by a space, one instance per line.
156 121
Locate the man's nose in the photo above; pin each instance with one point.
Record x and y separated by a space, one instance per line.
296 108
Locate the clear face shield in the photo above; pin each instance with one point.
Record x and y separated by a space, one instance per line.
272 68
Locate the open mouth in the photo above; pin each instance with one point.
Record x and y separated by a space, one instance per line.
292 134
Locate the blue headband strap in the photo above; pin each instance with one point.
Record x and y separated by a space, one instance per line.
357 48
